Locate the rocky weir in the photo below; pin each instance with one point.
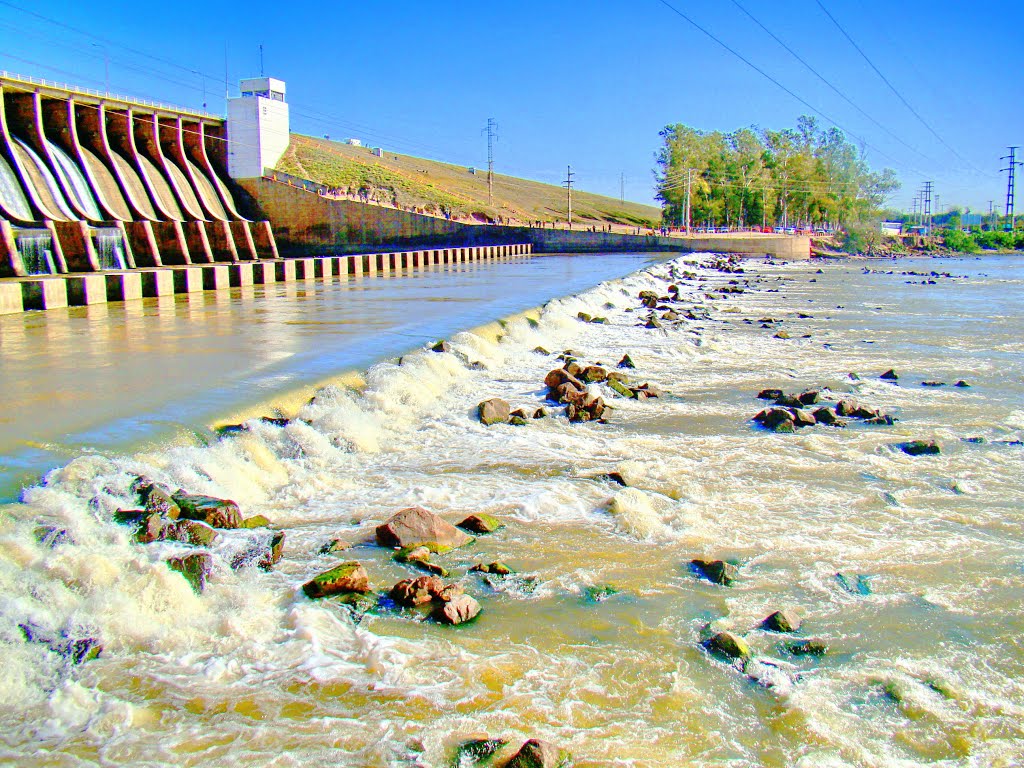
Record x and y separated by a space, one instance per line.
717 511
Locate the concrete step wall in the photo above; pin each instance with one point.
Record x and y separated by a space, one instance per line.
80 289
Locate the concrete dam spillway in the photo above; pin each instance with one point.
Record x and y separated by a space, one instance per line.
91 183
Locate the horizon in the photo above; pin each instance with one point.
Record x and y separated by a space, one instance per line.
438 94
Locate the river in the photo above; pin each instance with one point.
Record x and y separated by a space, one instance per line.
596 643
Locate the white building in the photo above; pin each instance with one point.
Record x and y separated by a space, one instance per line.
257 127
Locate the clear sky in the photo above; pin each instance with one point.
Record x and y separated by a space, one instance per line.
583 83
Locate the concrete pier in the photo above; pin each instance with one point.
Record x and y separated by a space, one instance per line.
38 292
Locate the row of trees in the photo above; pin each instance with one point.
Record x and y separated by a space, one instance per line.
804 176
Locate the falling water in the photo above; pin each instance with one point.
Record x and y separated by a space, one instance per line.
36 249
12 199
110 249
74 183
48 177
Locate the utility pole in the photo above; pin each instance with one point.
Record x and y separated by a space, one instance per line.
492 136
568 193
622 187
1014 162
928 186
991 215
261 59
689 184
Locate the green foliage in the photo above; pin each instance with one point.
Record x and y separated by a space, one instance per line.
861 238
801 176
959 241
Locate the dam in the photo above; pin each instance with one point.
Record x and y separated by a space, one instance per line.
113 198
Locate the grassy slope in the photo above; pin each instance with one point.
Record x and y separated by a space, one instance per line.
436 188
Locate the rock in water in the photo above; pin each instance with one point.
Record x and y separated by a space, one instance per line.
811 647
786 620
477 751
343 578
416 525
626 362
716 571
770 394
593 374
890 375
190 532
195 568
776 419
256 521
459 610
493 411
728 644
481 523
413 592
919 447
220 513
539 754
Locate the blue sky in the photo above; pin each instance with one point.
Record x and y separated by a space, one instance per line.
583 83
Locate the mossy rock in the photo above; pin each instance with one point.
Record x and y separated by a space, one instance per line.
256 521
600 593
481 523
621 388
433 547
477 752
343 578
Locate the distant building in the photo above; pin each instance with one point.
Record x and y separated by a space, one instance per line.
893 228
257 127
354 142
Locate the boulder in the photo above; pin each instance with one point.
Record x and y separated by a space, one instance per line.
150 528
190 532
458 610
195 568
810 647
584 317
786 620
540 413
802 418
539 754
568 393
264 553
561 376
619 388
828 417
626 362
540 351
573 368
651 390
716 571
158 499
652 322
889 375
788 401
333 546
449 592
593 374
773 418
220 513
770 394
847 407
256 521
441 346
493 411
412 592
341 579
730 645
75 650
518 421
933 383
919 447
416 525
863 412
670 316
497 568
481 523
810 397
781 335
962 384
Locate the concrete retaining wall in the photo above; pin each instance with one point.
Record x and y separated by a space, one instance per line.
308 224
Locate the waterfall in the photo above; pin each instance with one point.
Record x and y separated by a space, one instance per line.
110 248
12 198
51 182
74 183
36 249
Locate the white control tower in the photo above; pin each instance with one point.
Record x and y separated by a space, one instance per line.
257 127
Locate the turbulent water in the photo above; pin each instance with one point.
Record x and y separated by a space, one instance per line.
925 663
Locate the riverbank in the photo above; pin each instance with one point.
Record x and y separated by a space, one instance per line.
597 642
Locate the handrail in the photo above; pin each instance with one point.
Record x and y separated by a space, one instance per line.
28 79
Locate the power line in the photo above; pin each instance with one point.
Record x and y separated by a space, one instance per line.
822 78
892 87
771 79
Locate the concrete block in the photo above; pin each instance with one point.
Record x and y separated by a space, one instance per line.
188 280
11 301
44 293
325 268
240 274
157 282
284 270
86 289
123 286
217 278
305 269
263 273
355 265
